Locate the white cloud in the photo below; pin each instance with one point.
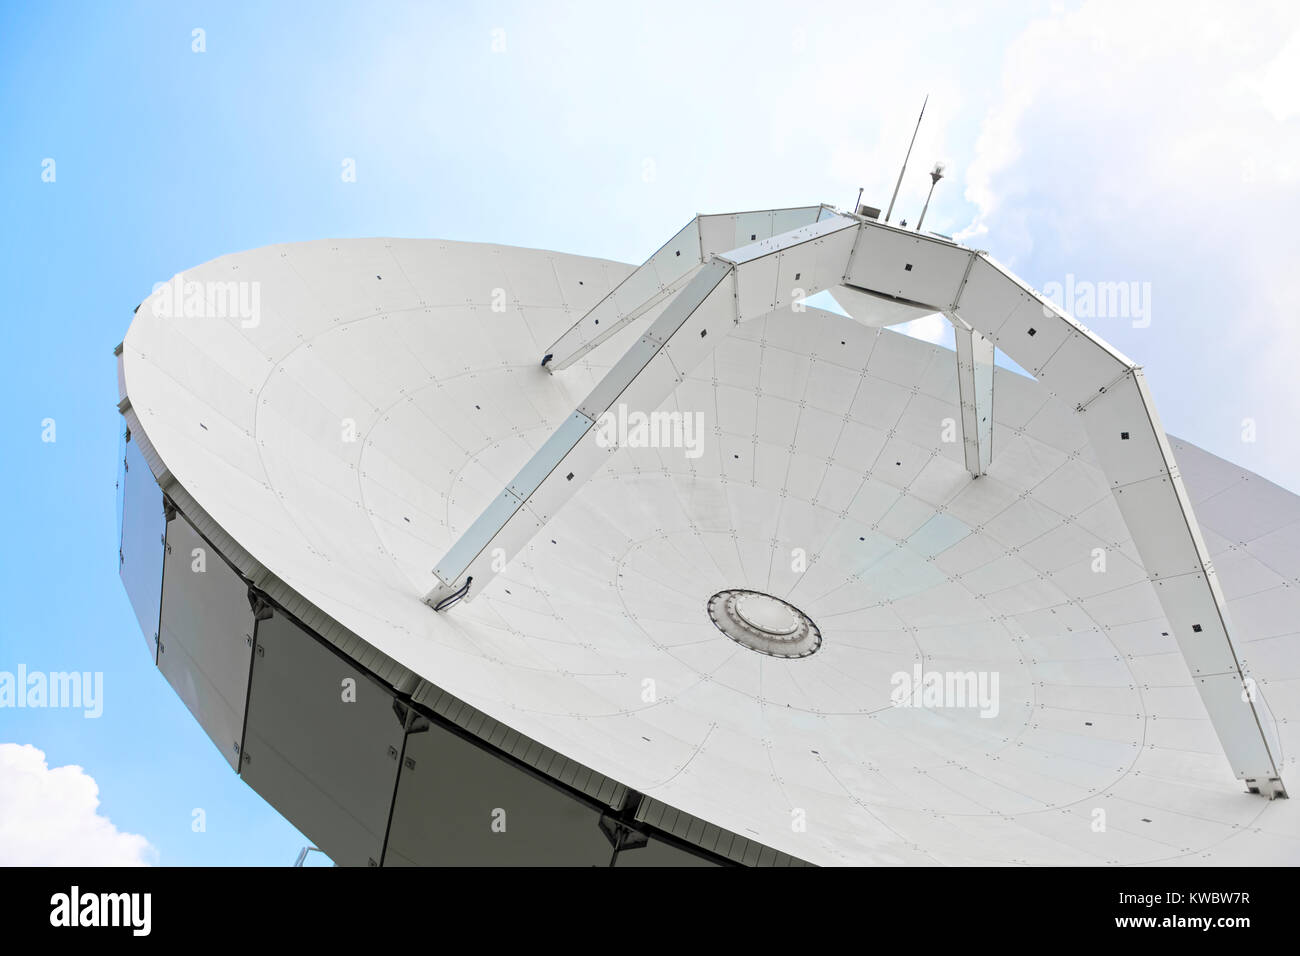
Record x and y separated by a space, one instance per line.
1158 143
50 817
1163 102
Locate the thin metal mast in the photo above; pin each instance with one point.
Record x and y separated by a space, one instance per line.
890 211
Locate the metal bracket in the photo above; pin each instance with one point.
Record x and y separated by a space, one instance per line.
621 827
1270 787
259 605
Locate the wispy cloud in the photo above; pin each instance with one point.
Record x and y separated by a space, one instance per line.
1158 144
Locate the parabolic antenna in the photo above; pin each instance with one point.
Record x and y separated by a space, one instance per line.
719 576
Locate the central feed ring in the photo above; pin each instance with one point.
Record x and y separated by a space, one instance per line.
764 623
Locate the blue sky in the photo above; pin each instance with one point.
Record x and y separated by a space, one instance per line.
1155 145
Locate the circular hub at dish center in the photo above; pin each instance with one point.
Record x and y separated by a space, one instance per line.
768 614
764 623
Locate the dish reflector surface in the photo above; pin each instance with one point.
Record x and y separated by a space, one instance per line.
389 389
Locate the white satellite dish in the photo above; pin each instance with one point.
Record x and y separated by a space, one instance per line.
725 573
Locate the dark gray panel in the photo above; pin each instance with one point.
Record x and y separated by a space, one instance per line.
658 853
143 527
327 764
206 636
449 795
